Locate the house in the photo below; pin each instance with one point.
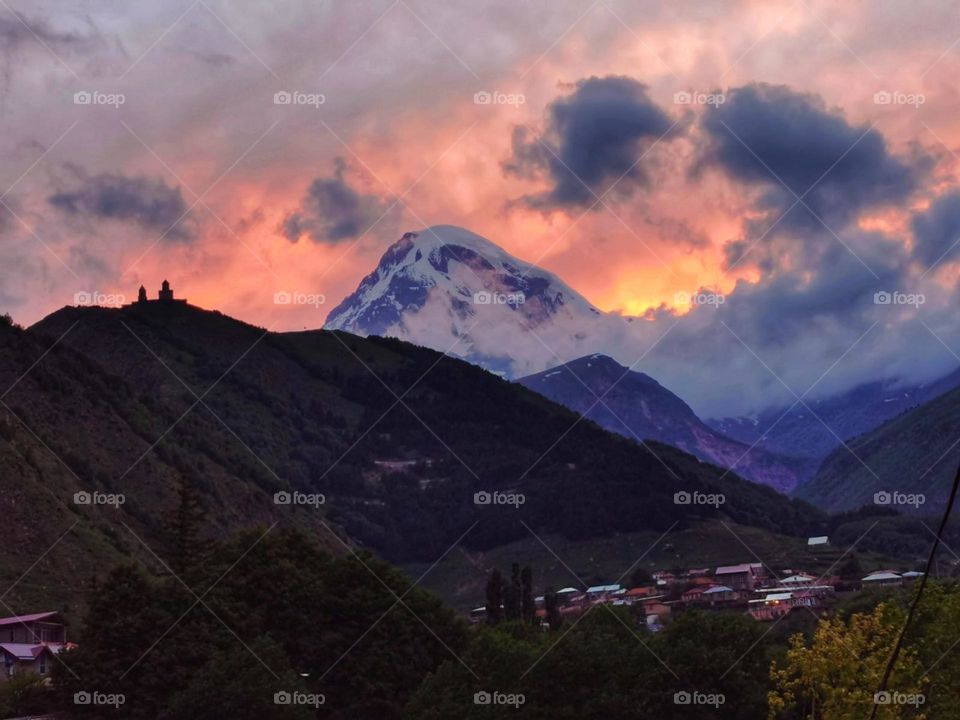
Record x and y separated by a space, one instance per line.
798 580
656 612
663 578
598 593
693 595
819 541
882 578
719 594
778 604
637 593
28 643
745 576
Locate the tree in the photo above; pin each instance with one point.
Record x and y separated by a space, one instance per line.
550 604
529 606
185 528
512 596
245 686
25 694
640 576
332 621
851 568
837 675
494 597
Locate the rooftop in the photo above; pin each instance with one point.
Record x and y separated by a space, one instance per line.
34 617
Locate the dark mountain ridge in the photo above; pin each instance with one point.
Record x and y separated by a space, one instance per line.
396 437
637 406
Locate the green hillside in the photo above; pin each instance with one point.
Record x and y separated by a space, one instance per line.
914 453
137 400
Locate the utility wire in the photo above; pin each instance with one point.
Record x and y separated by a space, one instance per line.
919 594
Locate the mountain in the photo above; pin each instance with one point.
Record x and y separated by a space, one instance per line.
635 405
915 453
798 432
452 290
397 438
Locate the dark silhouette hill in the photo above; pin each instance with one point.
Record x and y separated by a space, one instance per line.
397 439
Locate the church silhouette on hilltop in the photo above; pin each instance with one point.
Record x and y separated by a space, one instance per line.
164 296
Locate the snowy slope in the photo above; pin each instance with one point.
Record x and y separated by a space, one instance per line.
450 289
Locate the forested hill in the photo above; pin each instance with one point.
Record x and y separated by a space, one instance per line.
396 437
913 454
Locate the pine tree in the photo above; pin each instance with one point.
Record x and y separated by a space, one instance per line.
512 596
494 597
185 523
529 606
554 618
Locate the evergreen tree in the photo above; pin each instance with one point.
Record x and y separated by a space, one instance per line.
494 597
186 547
554 618
529 606
512 596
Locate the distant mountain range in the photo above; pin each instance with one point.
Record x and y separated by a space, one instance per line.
915 453
132 401
635 405
799 432
456 292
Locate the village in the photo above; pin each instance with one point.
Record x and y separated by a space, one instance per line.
750 588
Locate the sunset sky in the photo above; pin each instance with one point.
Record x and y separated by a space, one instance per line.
826 174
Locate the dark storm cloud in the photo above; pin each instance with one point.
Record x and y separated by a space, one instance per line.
593 137
333 211
789 144
936 232
16 29
148 202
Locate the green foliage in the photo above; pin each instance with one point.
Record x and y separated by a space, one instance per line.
326 625
25 694
836 675
604 666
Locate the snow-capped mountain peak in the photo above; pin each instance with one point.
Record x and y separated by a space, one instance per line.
450 289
